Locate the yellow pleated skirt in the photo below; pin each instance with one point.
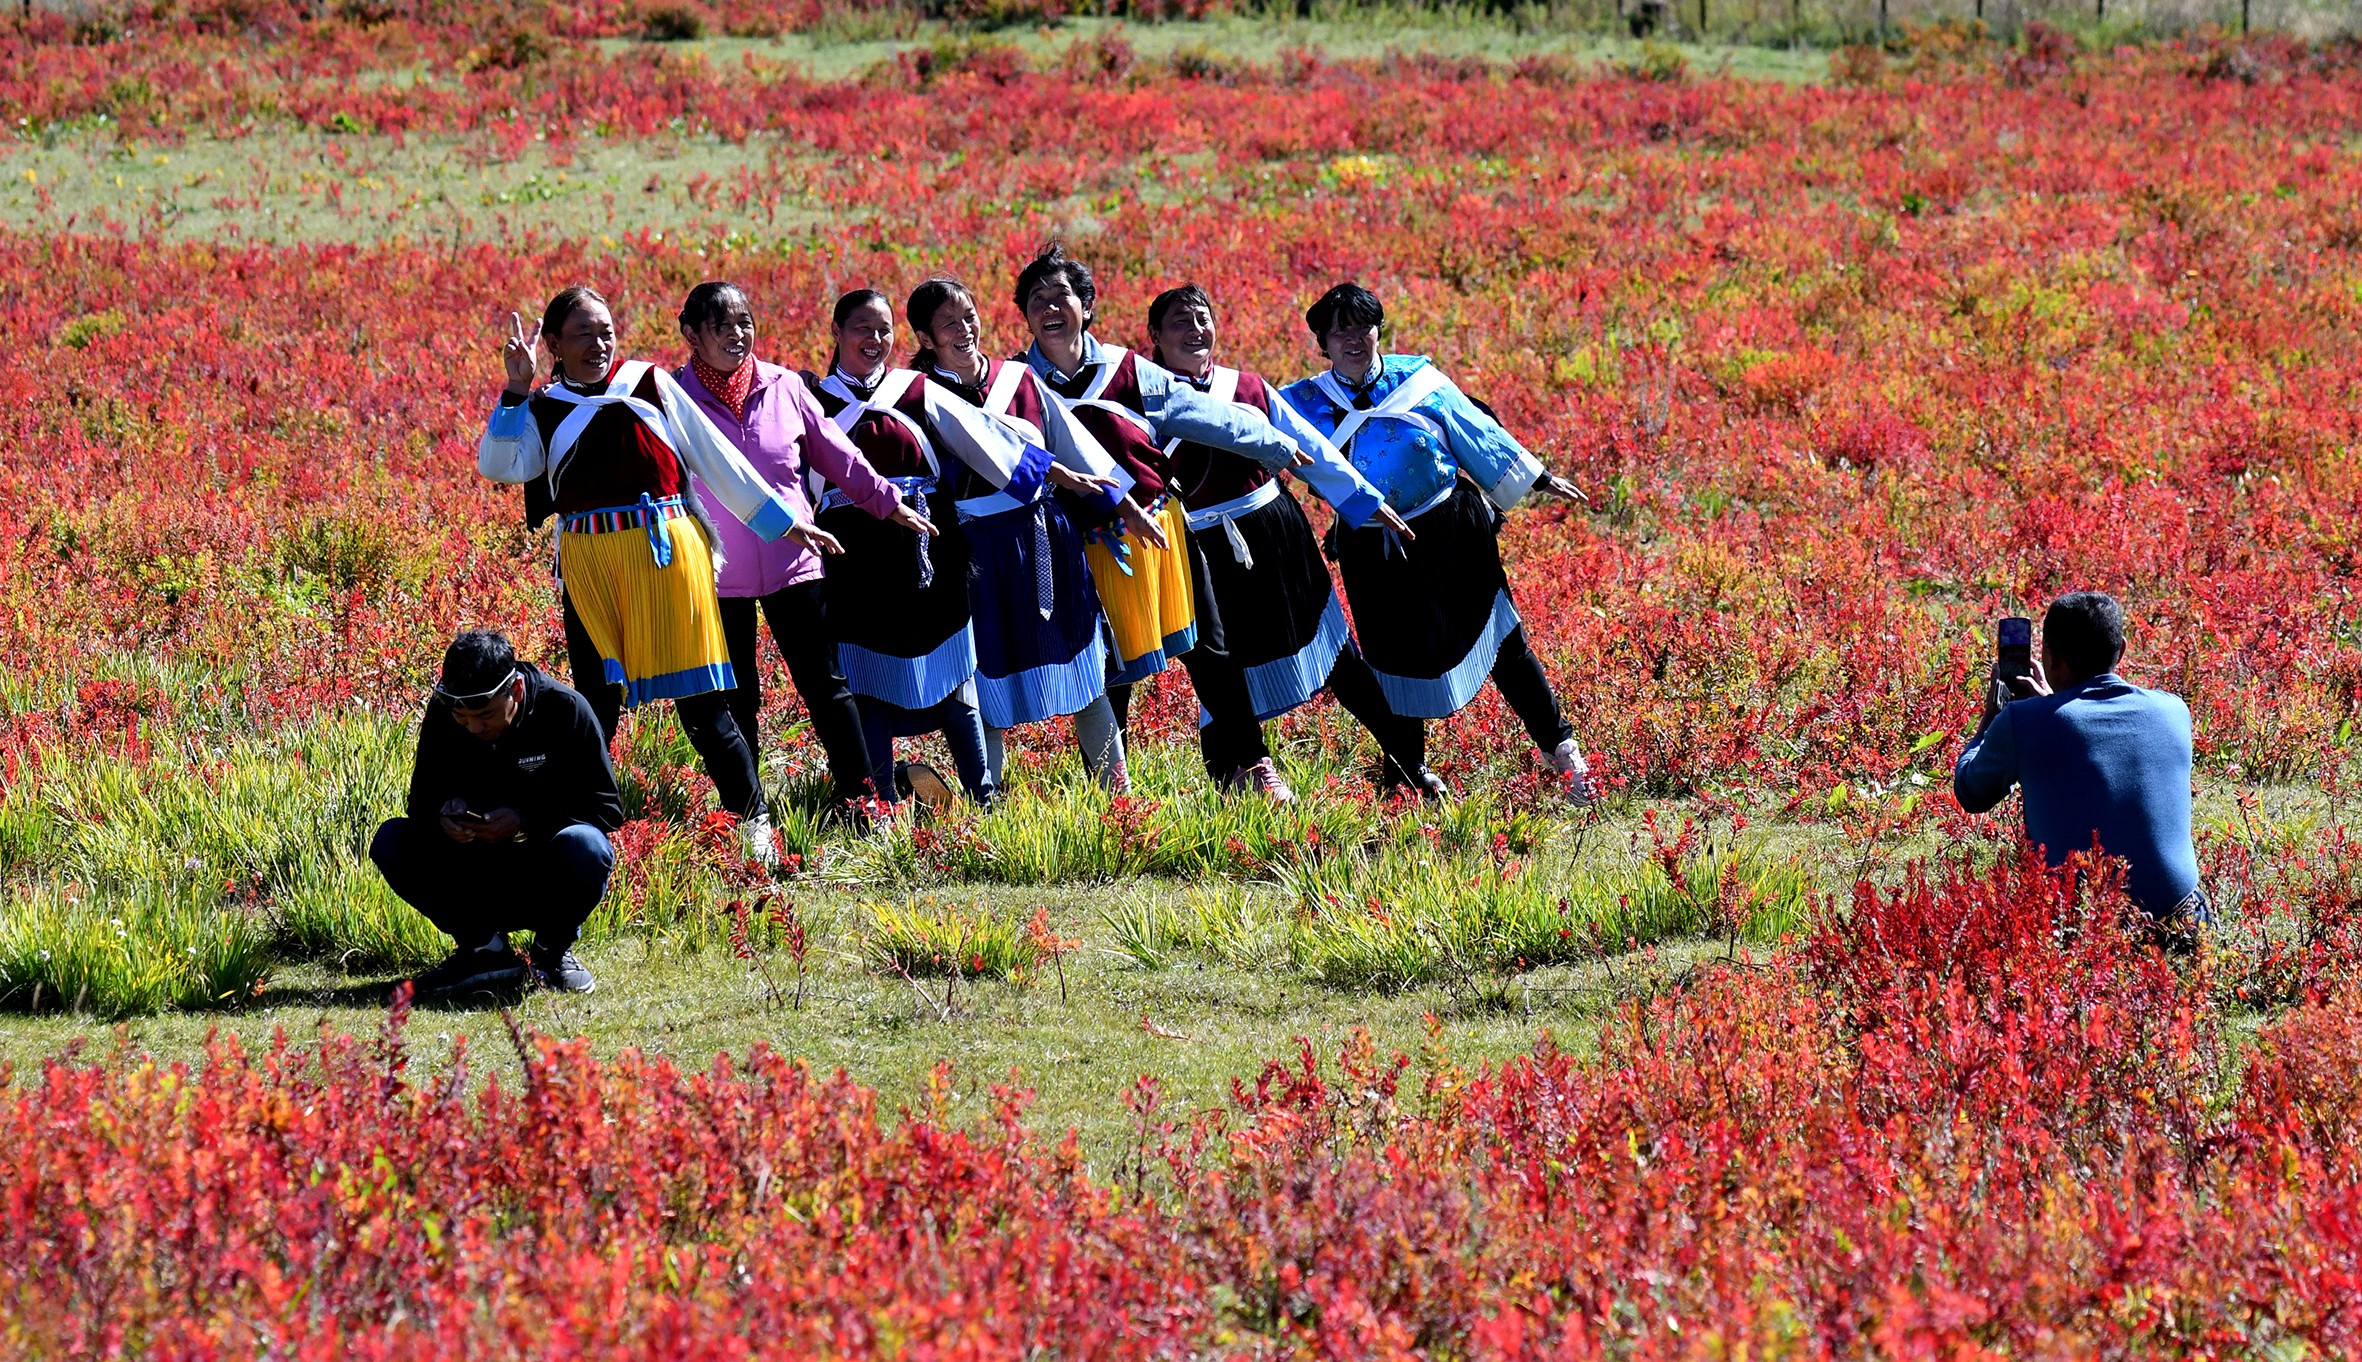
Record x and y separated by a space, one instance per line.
658 629
1152 610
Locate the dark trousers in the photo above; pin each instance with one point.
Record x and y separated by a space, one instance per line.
954 716
471 890
726 750
803 641
1233 738
1518 674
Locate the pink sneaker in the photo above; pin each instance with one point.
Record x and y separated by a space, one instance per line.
1262 778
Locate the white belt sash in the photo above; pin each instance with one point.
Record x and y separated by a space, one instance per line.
1227 514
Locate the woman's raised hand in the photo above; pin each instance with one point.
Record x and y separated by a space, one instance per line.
521 355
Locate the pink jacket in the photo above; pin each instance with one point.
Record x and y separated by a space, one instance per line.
784 435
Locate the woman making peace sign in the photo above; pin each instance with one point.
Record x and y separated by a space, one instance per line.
612 444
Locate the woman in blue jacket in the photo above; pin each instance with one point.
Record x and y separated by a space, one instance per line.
1433 613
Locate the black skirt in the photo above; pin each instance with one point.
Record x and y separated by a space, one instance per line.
1279 620
896 602
1432 611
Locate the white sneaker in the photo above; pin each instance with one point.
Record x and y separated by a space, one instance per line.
762 840
1567 760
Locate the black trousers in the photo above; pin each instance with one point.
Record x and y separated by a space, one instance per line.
1233 737
726 751
1518 674
800 633
471 890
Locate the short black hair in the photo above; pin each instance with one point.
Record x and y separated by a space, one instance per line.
477 661
930 296
2085 630
569 300
856 300
1188 295
706 301
1054 263
1348 304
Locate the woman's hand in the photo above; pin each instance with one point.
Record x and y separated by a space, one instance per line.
1300 459
1392 519
908 517
813 537
1562 489
521 355
1061 476
1139 523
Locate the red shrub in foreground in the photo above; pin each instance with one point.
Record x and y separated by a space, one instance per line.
2023 1150
318 1204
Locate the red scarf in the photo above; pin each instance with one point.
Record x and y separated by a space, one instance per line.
734 387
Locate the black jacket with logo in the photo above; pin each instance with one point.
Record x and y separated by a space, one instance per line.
550 766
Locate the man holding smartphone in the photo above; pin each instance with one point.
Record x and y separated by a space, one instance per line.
510 806
2096 756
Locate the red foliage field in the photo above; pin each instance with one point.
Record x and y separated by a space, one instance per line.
1973 1120
1843 377
1846 371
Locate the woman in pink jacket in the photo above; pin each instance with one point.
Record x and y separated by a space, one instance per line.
771 416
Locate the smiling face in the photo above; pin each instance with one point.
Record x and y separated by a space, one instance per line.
957 334
1057 315
726 338
585 344
1185 340
1351 348
866 341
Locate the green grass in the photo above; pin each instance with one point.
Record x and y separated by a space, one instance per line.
1193 1025
229 891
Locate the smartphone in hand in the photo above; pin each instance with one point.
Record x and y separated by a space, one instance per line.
2014 657
471 819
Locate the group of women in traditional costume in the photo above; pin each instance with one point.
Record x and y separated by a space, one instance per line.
966 545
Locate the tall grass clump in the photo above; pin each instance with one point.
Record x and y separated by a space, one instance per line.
158 947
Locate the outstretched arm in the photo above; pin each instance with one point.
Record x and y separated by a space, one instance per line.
1484 447
1181 412
724 471
841 461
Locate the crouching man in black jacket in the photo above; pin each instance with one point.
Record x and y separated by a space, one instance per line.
510 807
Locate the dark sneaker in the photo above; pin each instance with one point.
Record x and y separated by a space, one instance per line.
1424 784
561 971
474 968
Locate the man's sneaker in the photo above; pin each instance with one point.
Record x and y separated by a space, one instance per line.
1263 778
559 970
926 785
1567 760
762 840
475 967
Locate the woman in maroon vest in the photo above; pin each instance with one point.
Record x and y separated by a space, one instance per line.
1267 613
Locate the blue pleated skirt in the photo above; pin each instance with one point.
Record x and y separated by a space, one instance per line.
1030 668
